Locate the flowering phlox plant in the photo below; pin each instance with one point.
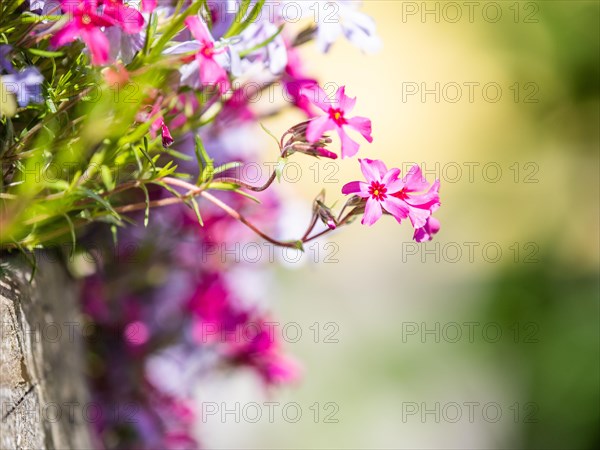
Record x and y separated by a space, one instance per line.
124 126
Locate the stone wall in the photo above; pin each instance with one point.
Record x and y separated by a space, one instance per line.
43 396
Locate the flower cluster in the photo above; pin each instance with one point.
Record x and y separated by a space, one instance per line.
117 113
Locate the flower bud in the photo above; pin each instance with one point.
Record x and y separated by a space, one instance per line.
325 215
298 142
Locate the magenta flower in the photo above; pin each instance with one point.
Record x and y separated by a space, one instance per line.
420 206
425 233
399 197
86 21
337 110
381 184
211 72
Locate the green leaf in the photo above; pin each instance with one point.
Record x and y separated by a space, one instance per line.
247 195
266 130
279 169
147 211
224 167
44 53
196 210
205 162
107 178
73 237
100 200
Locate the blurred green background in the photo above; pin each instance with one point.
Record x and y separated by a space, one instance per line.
537 384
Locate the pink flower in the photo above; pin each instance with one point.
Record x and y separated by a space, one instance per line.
337 110
399 197
149 5
158 124
211 72
86 22
381 184
425 233
420 206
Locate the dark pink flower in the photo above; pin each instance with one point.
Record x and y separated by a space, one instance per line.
211 72
399 197
337 110
425 233
420 206
381 184
86 20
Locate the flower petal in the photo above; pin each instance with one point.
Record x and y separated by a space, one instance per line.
316 96
212 74
390 177
372 169
363 126
372 212
429 200
349 146
65 35
342 101
396 208
359 188
98 44
414 180
129 19
418 217
198 29
317 127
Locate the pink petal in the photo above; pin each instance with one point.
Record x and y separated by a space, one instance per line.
372 169
317 127
98 44
317 96
396 208
429 200
426 233
198 29
129 19
418 217
390 177
149 5
356 187
211 73
372 212
414 180
65 35
349 146
342 101
363 126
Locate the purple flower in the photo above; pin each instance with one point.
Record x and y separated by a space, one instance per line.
5 64
25 85
335 18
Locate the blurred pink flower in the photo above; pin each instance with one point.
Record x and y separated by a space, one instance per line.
211 72
86 21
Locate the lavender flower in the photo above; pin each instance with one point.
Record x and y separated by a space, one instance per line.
334 18
25 85
5 64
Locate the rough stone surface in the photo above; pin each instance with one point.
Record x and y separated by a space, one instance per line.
43 396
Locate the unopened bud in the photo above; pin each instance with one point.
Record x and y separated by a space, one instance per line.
298 142
326 215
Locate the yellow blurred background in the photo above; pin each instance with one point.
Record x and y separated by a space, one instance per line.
394 362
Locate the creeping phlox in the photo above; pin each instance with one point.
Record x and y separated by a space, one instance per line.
149 107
